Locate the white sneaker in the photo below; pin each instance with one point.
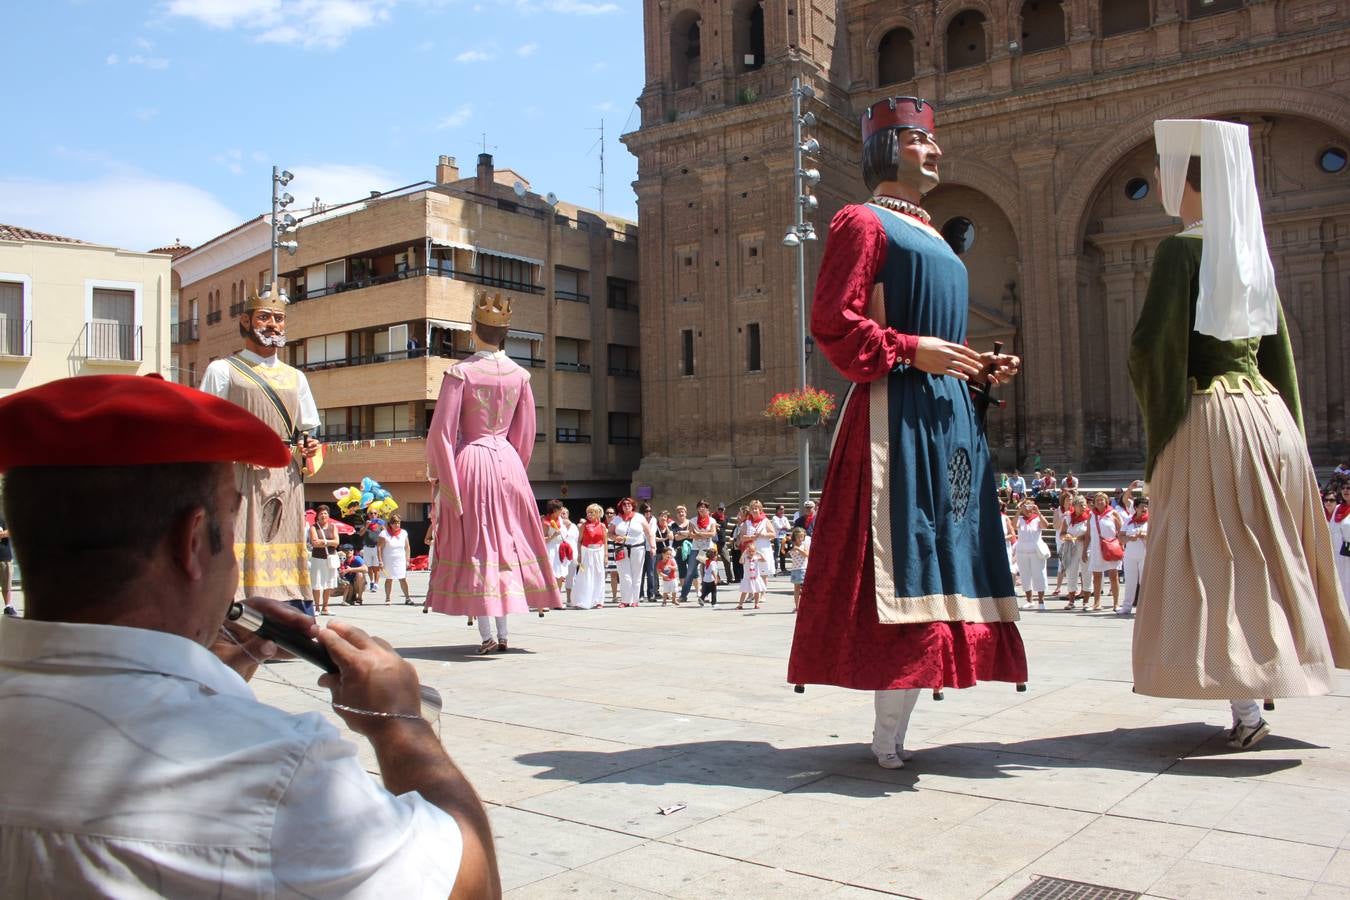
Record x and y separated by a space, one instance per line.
890 761
1245 737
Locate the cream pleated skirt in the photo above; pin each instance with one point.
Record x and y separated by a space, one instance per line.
1239 597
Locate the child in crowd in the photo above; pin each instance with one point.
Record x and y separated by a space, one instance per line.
669 574
799 549
752 580
707 567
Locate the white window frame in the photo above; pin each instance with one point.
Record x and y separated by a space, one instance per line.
136 288
26 305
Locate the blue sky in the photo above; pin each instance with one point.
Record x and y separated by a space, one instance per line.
134 122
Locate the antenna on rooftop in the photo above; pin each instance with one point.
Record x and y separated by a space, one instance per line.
600 188
486 145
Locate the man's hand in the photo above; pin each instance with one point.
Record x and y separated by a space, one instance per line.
372 676
938 357
248 651
999 368
308 447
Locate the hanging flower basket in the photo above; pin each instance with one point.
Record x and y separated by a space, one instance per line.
804 408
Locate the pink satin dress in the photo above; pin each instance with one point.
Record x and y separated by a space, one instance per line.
490 553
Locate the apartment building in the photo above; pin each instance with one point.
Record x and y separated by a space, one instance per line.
382 289
68 307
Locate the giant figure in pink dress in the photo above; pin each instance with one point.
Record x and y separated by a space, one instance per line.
490 554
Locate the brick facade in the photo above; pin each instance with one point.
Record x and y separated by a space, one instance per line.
1045 113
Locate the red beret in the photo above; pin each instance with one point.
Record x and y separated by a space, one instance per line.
126 420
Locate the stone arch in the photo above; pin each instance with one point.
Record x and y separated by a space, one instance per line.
995 23
1319 106
985 178
686 48
966 39
1196 9
872 43
894 57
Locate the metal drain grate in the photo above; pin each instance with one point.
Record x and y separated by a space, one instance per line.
1046 888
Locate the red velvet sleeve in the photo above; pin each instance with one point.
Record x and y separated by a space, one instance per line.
859 348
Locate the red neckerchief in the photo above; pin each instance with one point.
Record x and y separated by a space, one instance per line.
592 533
1035 515
395 529
1342 510
806 522
703 522
721 517
1140 517
757 518
1076 519
626 516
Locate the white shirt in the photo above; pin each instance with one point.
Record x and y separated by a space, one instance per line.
632 533
137 764
782 525
217 381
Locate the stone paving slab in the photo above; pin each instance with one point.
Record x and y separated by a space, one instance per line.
595 719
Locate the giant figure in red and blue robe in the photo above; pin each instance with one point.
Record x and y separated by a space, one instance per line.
909 585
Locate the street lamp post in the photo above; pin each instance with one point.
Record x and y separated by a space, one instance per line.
282 223
798 233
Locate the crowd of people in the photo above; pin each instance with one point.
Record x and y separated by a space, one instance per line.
1101 539
640 555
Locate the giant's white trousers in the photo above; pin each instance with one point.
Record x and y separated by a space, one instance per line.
893 712
485 627
1246 712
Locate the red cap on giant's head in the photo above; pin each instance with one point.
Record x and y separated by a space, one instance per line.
898 112
126 420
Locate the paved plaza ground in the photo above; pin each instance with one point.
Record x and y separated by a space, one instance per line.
597 719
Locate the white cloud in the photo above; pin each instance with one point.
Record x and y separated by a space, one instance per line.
97 210
258 156
336 183
605 106
456 118
475 56
579 8
112 59
308 23
145 113
150 62
527 49
145 44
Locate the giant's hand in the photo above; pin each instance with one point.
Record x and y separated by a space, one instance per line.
1000 368
938 357
372 676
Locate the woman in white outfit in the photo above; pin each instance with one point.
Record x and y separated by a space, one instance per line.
1103 524
1073 550
394 552
588 588
571 537
1031 552
760 527
628 533
323 544
1134 535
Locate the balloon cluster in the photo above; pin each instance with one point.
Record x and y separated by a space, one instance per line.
375 500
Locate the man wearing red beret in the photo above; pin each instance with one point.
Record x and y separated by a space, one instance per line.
269 534
138 761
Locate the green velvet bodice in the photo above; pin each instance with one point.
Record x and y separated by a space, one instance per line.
1169 360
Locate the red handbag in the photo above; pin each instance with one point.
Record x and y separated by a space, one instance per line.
1112 549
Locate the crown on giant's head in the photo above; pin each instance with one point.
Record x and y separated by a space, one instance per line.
265 300
898 112
492 309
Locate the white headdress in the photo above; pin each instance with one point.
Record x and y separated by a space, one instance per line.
1237 281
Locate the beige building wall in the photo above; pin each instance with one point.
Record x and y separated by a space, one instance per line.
1045 115
372 275
58 335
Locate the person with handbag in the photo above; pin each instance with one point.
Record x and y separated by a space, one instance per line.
1339 523
1032 552
323 542
1104 549
1243 600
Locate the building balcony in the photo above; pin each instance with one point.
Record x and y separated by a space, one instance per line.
184 332
356 284
111 342
572 296
396 456
402 377
572 436
16 338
